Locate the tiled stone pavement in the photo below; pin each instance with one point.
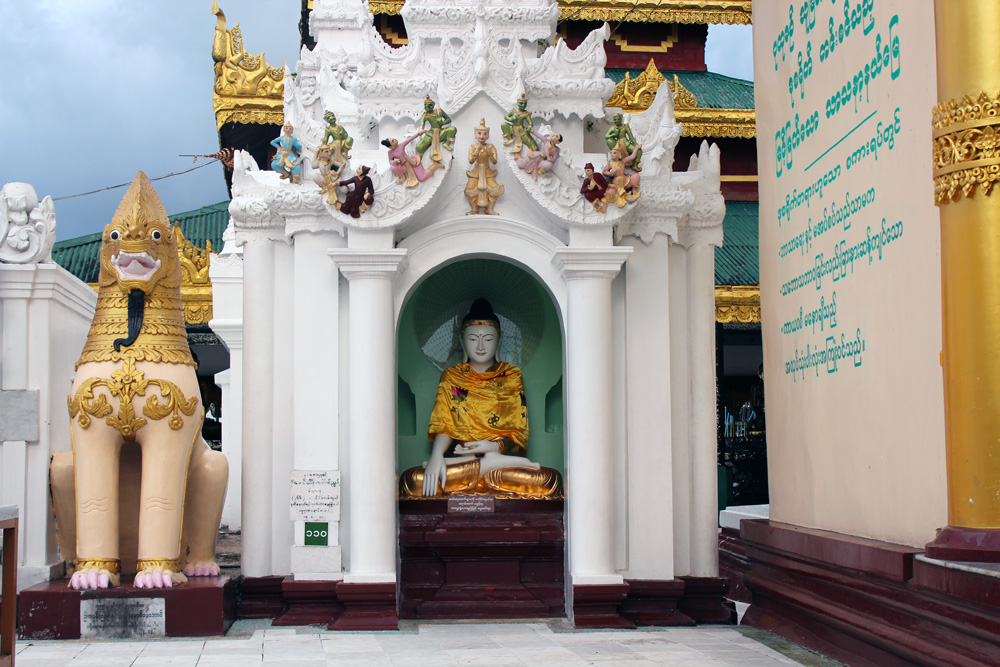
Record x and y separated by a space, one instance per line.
441 644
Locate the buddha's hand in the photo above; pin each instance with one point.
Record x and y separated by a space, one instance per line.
434 473
478 447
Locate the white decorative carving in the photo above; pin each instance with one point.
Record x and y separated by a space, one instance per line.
27 227
570 81
659 210
703 224
658 132
458 49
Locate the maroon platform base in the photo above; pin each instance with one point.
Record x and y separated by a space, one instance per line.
734 565
203 606
704 600
261 597
966 544
309 602
867 602
366 607
502 564
596 606
651 602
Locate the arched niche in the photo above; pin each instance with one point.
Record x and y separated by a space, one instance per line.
427 342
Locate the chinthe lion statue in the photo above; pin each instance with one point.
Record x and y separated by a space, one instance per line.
139 466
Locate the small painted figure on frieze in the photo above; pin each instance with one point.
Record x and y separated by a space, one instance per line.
517 128
621 131
623 187
440 133
594 187
408 169
482 189
540 160
337 139
288 158
361 195
327 174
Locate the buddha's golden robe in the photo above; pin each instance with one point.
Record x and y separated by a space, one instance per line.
489 406
472 406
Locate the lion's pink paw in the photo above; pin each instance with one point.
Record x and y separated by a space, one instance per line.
202 569
158 577
92 579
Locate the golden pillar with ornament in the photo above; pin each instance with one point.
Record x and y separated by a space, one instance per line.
966 136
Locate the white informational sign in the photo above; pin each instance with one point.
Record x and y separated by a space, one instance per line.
315 495
123 618
850 265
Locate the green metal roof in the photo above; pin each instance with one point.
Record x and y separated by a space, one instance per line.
713 91
81 256
737 262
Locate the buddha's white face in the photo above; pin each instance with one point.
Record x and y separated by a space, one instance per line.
481 343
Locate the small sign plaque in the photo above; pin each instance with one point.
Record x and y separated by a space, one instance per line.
484 504
317 533
123 618
315 495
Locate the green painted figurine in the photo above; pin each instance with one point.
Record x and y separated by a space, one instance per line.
337 139
517 127
620 131
441 133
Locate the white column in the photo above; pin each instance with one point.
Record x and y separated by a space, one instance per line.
372 475
285 393
704 457
317 342
647 345
589 460
226 273
317 381
45 314
14 376
258 402
232 399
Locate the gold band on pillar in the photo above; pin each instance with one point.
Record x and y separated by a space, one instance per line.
967 164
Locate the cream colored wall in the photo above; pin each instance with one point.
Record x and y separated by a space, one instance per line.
858 451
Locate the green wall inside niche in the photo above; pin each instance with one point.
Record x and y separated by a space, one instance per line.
457 285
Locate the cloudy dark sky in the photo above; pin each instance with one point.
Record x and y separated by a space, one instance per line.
95 90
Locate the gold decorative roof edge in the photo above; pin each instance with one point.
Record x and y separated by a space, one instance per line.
718 123
737 304
246 89
636 95
730 12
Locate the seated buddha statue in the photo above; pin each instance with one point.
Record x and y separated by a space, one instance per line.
480 408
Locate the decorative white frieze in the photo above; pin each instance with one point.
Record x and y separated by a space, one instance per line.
27 226
570 81
458 49
703 225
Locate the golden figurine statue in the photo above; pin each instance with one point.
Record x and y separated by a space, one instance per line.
623 188
480 406
482 189
327 174
136 393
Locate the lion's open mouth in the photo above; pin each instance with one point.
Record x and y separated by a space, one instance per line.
135 265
